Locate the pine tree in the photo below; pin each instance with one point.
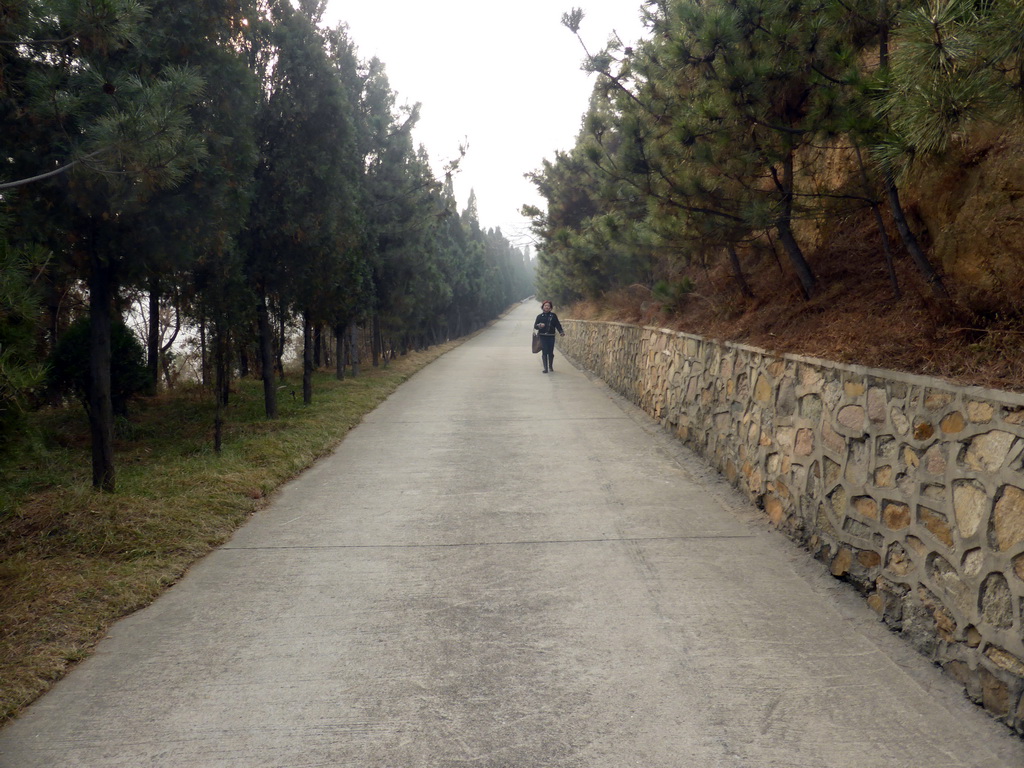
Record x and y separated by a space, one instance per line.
103 130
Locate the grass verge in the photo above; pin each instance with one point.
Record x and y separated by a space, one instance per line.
73 561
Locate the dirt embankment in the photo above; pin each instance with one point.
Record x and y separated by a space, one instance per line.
969 214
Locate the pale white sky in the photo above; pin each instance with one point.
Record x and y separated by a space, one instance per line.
504 76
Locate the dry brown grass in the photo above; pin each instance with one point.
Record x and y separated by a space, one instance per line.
72 561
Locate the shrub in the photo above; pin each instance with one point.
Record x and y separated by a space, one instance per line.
69 366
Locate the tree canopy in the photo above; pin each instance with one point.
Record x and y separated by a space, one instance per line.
703 140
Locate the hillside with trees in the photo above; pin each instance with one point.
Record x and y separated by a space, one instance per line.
234 168
837 178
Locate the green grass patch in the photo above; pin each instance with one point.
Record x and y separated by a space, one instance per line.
73 561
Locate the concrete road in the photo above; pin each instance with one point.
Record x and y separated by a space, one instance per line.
508 569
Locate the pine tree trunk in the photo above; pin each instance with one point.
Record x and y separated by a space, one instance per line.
267 358
339 352
307 358
376 340
808 284
281 330
880 224
924 266
204 357
101 410
892 193
737 271
153 337
354 347
797 260
220 386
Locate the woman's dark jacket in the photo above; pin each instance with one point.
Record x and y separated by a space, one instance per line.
547 324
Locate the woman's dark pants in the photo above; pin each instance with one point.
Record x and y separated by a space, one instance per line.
547 352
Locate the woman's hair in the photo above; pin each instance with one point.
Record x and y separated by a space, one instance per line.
546 304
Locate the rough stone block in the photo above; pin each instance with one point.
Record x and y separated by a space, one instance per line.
869 559
832 393
776 511
1018 566
964 675
934 401
899 421
995 695
851 417
841 562
1014 416
980 412
953 423
918 626
823 523
856 528
814 486
886 447
785 437
945 576
811 408
923 429
910 457
786 403
934 462
895 515
937 524
833 471
987 452
856 462
876 602
972 562
832 440
804 443
972 636
1007 525
853 388
892 596
897 560
877 402
763 390
917 545
997 603
866 507
945 624
970 505
838 501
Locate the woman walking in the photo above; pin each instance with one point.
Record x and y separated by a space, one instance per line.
547 324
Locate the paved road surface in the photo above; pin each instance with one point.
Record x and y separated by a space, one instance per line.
501 568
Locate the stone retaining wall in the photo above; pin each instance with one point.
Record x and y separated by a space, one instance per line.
908 487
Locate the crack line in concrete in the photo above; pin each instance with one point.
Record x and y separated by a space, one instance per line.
492 543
